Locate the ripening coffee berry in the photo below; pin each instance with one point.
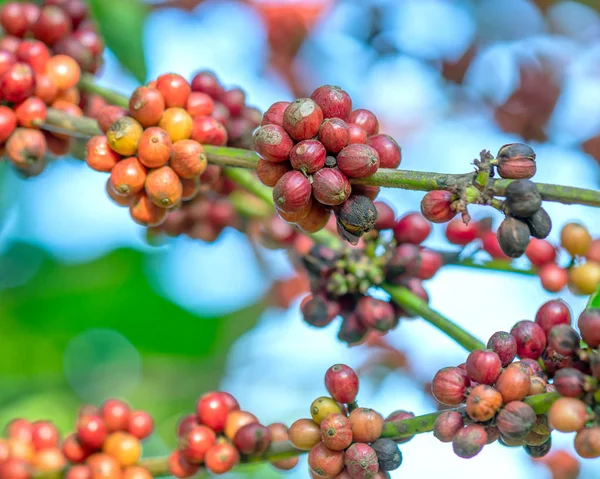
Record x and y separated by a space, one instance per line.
523 198
436 206
128 176
73 450
469 441
357 134
375 313
115 414
366 424
553 277
146 105
322 407
569 382
252 439
330 186
412 228
483 366
589 326
186 423
530 337
587 442
540 252
13 20
513 384
26 148
400 415
17 83
181 468
457 232
296 216
447 424
194 444
584 278
515 420
366 120
567 414
336 432
274 114
124 136
99 156
449 386
564 339
361 461
358 161
536 386
316 219
144 212
333 101
44 435
272 143
292 192
199 104
177 122
140 424
80 471
213 408
308 156
31 113
342 383
576 239
8 123
136 472
325 462
318 311
304 434
174 89
189 159
516 161
269 172
91 431
155 147
35 54
334 134
124 447
163 187
207 82
504 345
483 403
386 218
513 237
390 153
63 71
302 119
237 419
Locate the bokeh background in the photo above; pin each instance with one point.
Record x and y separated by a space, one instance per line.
90 310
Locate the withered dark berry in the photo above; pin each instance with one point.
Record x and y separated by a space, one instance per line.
539 451
388 454
469 441
513 237
563 339
516 161
523 198
355 216
569 382
319 311
515 420
404 263
375 313
539 224
504 345
352 330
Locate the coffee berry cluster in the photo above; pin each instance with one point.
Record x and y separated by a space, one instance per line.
340 280
154 150
344 441
582 271
43 50
106 443
219 434
493 386
311 148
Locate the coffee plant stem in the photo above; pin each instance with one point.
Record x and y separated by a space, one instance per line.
88 83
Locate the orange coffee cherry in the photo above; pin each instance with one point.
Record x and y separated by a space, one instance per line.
128 176
63 71
146 213
163 187
575 238
190 188
155 148
124 447
189 159
146 106
99 156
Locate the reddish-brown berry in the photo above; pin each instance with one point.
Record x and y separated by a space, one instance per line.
189 159
483 403
325 462
52 24
221 457
272 143
483 366
302 119
13 19
569 382
269 173
336 432
390 153
375 313
587 442
308 156
366 120
447 424
252 439
334 134
366 424
576 239
304 434
553 313
504 345
146 106
333 101
589 326
469 441
515 420
274 115
316 219
331 187
436 206
342 383
128 176
513 384
108 115
292 192
181 468
26 147
530 337
35 54
449 386
358 161
361 461
207 82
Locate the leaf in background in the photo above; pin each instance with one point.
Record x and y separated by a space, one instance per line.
594 301
121 22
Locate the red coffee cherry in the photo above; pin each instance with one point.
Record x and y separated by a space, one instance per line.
513 384
308 156
163 187
73 450
553 277
52 25
449 386
146 105
128 176
457 232
8 123
194 444
390 153
302 119
234 100
324 462
186 423
200 104
274 115
412 228
17 83
334 134
569 382
292 192
252 439
140 424
447 424
108 115
212 409
221 458
386 217
20 429
375 313
333 101
181 468
589 327
540 252
136 472
366 120
31 113
272 143
79 471
436 206
361 461
13 20
587 442
515 420
14 468
316 219
531 339
115 414
469 441
26 148
483 366
269 173
357 134
489 242
174 89
358 161
504 345
7 59
35 54
553 313
304 434
207 82
189 159
330 186
483 403
342 383
366 424
44 435
91 431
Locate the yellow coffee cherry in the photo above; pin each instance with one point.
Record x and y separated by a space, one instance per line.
124 136
576 239
585 278
322 407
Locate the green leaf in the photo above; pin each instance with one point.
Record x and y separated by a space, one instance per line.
594 301
121 23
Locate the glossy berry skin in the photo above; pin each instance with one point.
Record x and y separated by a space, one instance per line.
513 384
447 424
212 409
31 113
17 83
333 101
540 252
52 24
13 20
302 119
504 345
91 431
366 424
144 212
155 147
457 232
292 192
483 402
140 424
386 217
553 313
194 444
436 206
174 89
589 326
322 407
483 366
361 461
334 134
44 435
316 219
207 130
308 156
469 441
412 228
576 239
63 71
358 161
179 467
342 383
178 123
336 432
73 450
252 439
146 106
221 458
274 115
390 153
35 54
449 386
567 414
269 173
366 120
115 414
304 434
128 176
8 123
531 339
207 82
124 447
163 187
569 382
